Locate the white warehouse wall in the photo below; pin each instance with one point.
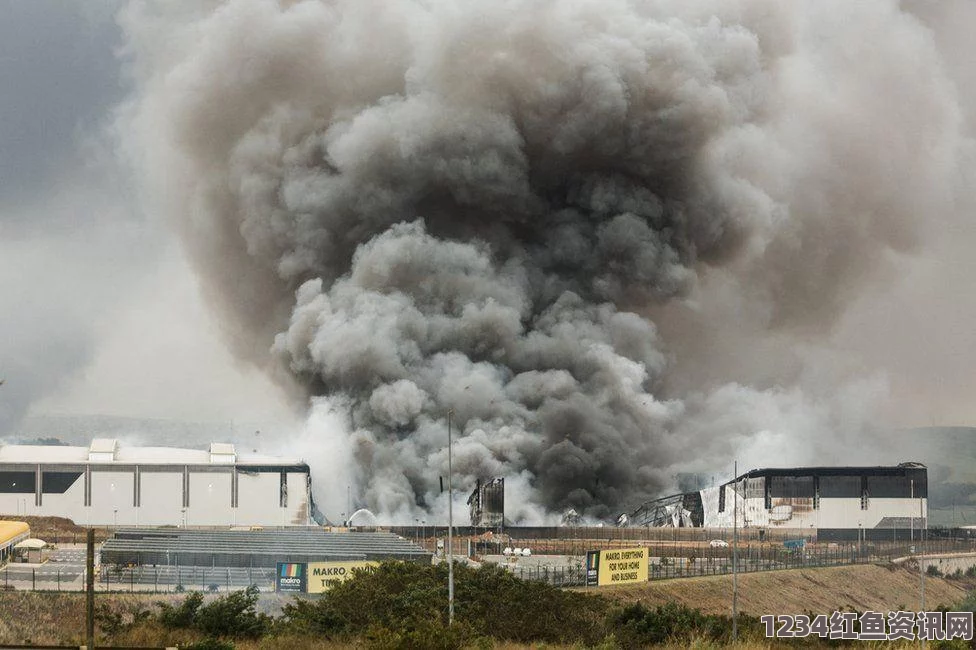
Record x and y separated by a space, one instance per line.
161 498
210 499
258 499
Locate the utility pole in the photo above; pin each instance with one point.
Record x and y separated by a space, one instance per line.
911 515
735 553
90 596
450 525
921 536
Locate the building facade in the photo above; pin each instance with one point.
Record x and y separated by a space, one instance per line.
486 504
836 502
107 484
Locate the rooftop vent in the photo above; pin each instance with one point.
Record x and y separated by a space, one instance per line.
222 453
102 450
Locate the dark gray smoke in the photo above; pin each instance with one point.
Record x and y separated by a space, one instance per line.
422 206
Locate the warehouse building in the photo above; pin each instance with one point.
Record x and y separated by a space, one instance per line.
254 549
486 504
107 484
837 502
11 534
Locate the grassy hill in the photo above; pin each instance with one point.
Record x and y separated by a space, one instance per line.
820 591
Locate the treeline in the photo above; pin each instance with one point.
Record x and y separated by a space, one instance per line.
405 606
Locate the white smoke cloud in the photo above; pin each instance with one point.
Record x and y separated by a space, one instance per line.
489 208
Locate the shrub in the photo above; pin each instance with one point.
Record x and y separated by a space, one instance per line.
233 615
400 602
637 626
183 615
933 571
114 621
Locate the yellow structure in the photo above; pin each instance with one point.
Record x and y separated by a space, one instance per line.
324 575
11 533
619 566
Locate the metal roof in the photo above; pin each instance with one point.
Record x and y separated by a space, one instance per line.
13 530
32 544
259 548
48 454
877 470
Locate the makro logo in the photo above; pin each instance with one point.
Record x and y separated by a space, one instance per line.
291 571
329 571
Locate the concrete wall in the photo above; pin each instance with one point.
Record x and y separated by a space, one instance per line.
161 497
161 501
801 514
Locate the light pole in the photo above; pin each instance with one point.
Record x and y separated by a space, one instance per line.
911 515
450 525
735 544
921 538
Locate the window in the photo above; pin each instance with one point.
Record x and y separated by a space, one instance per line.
791 487
18 482
832 487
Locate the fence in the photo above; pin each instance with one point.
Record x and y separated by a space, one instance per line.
684 561
138 579
668 559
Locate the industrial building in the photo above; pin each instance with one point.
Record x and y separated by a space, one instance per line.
486 505
834 502
11 533
254 549
108 484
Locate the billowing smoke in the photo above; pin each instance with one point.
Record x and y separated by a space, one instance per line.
412 208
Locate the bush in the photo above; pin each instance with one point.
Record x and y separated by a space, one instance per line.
933 570
183 616
233 615
116 621
636 626
406 603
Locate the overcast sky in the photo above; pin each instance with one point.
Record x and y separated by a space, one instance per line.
100 313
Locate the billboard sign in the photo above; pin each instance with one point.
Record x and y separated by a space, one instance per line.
592 568
322 576
616 567
291 577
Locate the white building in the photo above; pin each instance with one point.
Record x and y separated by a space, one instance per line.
834 502
107 484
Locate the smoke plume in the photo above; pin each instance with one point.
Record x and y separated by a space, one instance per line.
415 208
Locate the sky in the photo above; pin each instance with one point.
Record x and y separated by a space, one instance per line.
102 314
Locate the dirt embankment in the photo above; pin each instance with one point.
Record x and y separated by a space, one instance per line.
821 591
57 530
